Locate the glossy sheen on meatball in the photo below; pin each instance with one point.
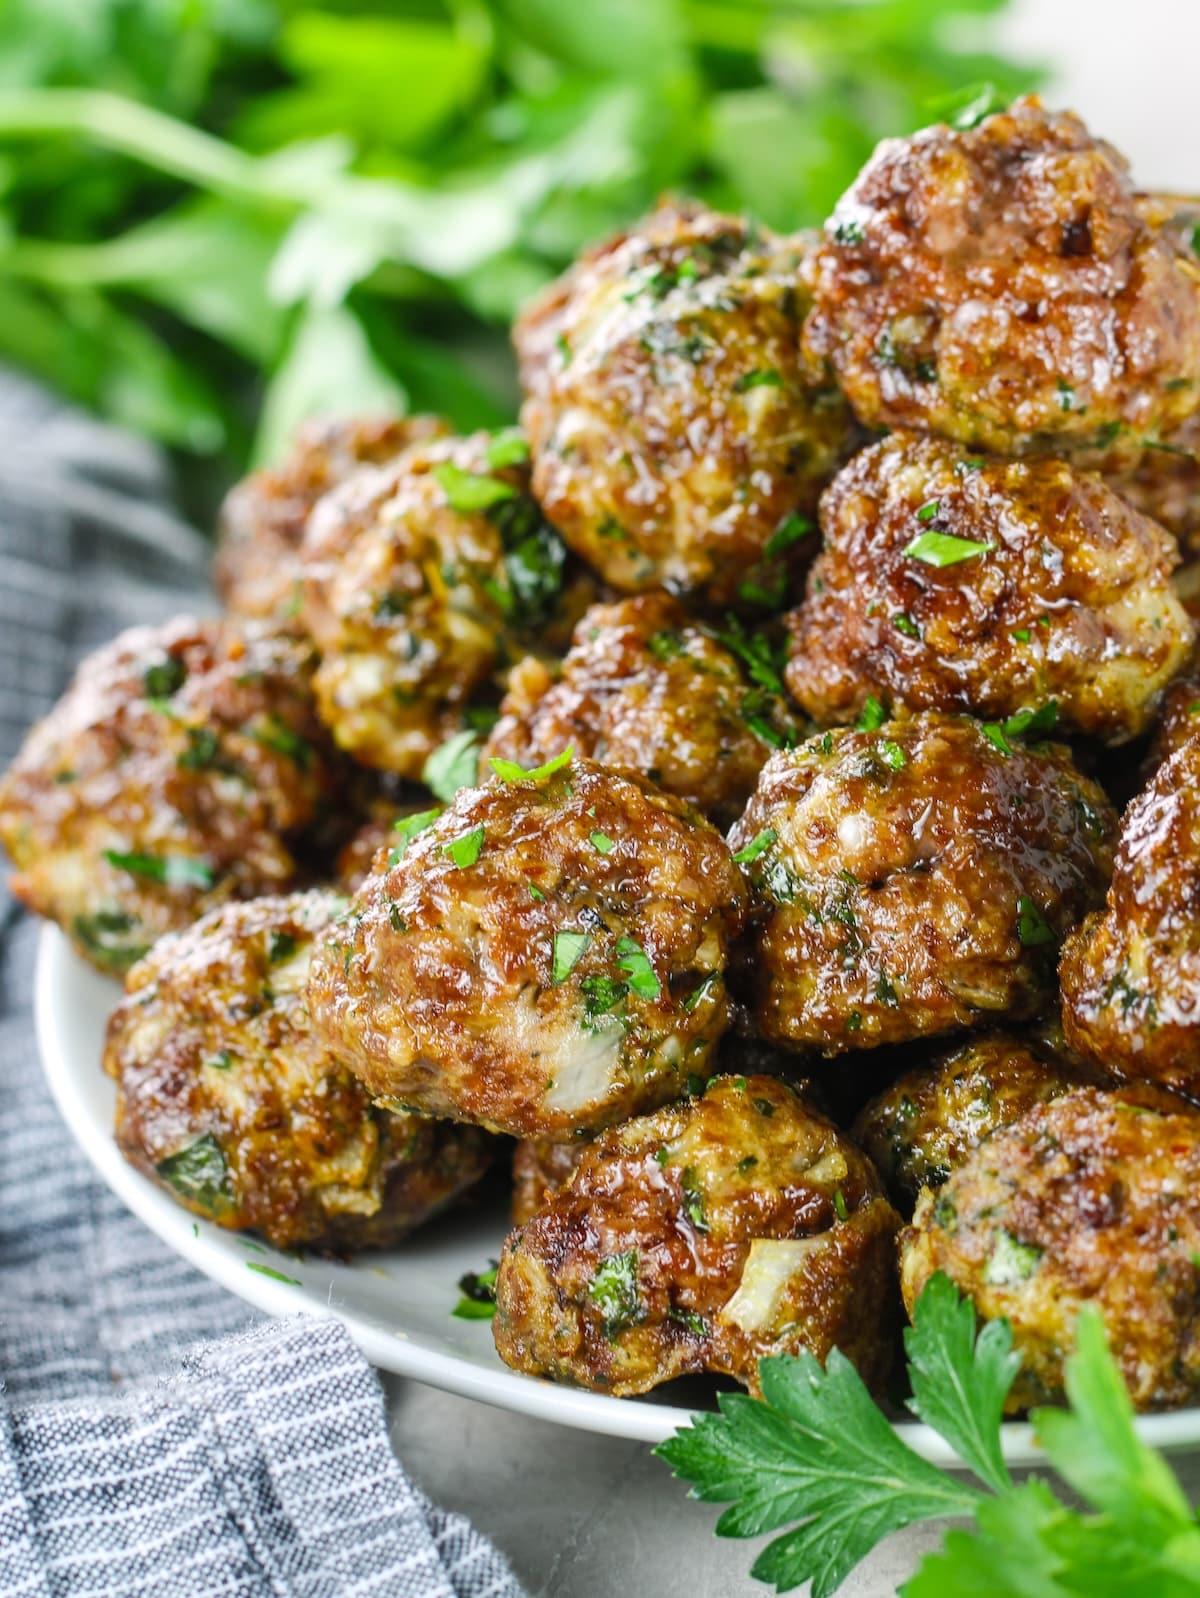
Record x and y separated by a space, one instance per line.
1091 1199
263 518
922 1127
913 880
1131 973
643 686
420 579
953 582
546 958
1003 285
679 435
183 766
704 1237
227 1097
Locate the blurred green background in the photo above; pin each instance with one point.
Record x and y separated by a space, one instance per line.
219 216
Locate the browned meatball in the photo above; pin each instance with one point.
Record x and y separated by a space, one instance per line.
541 1167
263 518
922 1127
643 686
1004 286
913 880
1131 973
420 579
1165 484
718 1231
546 958
952 582
680 437
227 1097
184 766
357 855
1091 1199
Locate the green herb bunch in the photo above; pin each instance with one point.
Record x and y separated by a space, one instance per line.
818 1456
219 210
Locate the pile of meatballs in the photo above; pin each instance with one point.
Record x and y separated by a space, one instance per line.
765 786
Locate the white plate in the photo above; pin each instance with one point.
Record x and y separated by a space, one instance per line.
396 1306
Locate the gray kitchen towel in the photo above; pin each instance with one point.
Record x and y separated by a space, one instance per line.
155 1437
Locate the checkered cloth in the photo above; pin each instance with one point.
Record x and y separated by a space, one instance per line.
155 1438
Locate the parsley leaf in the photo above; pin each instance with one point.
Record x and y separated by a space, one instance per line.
510 771
614 1291
465 850
759 844
873 716
408 828
1032 927
568 951
471 491
942 549
763 664
455 765
634 965
478 1295
199 1174
172 870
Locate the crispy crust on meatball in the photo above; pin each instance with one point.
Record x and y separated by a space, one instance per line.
1131 973
645 687
546 958
1003 285
679 435
227 1097
183 766
922 1127
954 582
421 579
1090 1199
718 1231
914 879
263 517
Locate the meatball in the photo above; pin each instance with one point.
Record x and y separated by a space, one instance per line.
263 518
357 855
1131 973
546 958
951 582
914 879
540 1168
1004 286
184 766
680 438
704 1237
643 686
227 1096
922 1127
1165 484
420 579
1090 1199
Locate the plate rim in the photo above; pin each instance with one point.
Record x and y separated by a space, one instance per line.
180 1231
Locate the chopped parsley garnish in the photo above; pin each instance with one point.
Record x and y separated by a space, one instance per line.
408 828
687 1318
601 842
848 232
790 531
885 991
759 844
275 734
568 951
471 491
891 754
280 946
601 994
764 377
839 1205
508 447
466 848
203 750
665 646
693 1199
510 771
699 993
105 936
634 965
173 871
164 678
536 893
614 1291
199 1175
967 107
1020 635
928 511
1043 719
903 623
221 1061
943 549
873 715
1032 927
763 663
1011 1261
269 1270
478 1295
453 766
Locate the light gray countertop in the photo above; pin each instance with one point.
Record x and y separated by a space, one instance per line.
581 1516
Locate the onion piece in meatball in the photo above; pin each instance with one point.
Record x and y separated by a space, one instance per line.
922 1127
914 879
705 1237
545 958
1004 286
680 438
185 765
955 582
646 687
1131 973
263 517
1089 1199
228 1098
420 580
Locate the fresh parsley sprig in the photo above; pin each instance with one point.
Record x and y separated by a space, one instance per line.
817 1456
